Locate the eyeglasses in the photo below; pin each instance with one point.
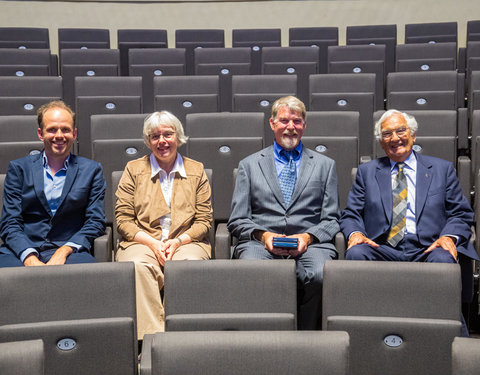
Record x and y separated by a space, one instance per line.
285 121
400 132
167 136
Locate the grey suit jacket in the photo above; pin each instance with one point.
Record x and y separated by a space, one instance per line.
258 203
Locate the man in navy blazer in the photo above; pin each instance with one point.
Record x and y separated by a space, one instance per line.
262 209
53 204
438 216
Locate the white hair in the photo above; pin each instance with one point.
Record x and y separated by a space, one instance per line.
410 120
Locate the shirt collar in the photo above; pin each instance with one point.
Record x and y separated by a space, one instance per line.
277 149
410 162
45 161
177 167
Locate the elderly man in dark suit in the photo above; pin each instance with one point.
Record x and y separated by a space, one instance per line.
406 206
53 203
286 190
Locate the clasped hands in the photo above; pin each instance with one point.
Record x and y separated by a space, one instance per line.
164 250
444 242
59 257
304 239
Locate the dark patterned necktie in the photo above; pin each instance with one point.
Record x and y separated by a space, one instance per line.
288 176
399 217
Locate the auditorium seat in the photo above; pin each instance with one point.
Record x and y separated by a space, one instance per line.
256 39
182 95
84 313
320 37
347 92
472 59
155 62
138 38
87 63
18 138
224 62
116 139
425 90
395 327
301 61
360 59
244 295
331 133
376 34
104 95
473 31
24 95
83 38
426 57
220 141
24 37
191 39
258 93
26 62
235 353
434 32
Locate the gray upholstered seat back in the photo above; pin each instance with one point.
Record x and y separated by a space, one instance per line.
235 353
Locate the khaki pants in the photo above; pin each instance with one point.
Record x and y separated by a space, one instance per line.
149 282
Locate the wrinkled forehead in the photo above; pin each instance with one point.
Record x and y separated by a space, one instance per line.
394 121
286 112
162 128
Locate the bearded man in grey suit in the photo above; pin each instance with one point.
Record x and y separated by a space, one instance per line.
287 190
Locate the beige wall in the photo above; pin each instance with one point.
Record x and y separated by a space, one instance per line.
235 15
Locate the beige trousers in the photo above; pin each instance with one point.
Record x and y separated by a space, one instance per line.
149 282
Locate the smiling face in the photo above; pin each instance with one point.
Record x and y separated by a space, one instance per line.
288 127
396 138
164 144
57 133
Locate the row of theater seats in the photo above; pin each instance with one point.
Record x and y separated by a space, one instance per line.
443 90
226 62
236 317
322 37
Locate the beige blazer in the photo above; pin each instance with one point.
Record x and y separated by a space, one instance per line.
140 203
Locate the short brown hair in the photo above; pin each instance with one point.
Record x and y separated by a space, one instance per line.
53 104
292 103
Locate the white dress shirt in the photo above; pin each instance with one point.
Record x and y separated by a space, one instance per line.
166 182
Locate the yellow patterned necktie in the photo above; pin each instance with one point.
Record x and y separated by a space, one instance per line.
399 215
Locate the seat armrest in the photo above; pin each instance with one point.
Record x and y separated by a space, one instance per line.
223 242
340 245
102 246
464 165
146 357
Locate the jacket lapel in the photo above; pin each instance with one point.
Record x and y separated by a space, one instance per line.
384 181
181 207
424 179
267 166
38 182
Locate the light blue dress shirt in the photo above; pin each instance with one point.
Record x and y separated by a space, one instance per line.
280 160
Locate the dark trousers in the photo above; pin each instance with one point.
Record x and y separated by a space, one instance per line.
309 277
10 260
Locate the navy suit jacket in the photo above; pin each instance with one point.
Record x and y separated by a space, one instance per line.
27 220
440 206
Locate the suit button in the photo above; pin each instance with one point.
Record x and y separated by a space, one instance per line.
287 215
